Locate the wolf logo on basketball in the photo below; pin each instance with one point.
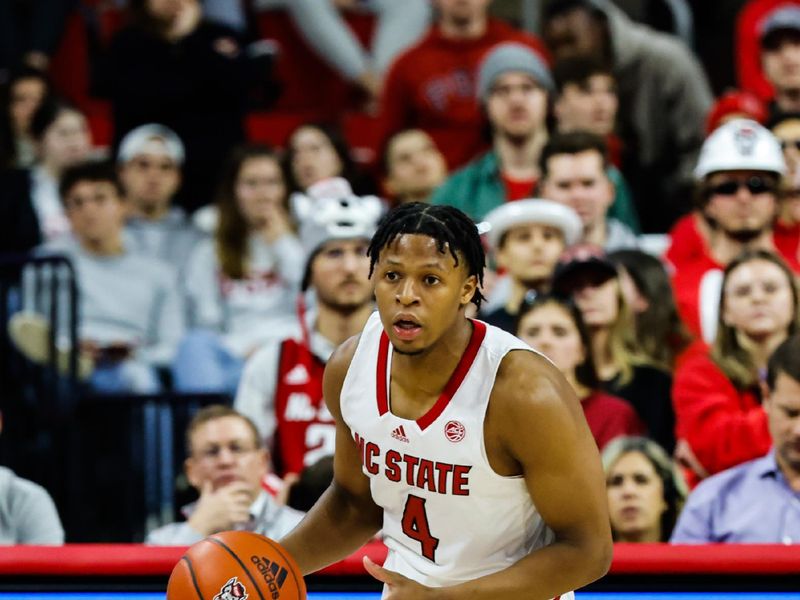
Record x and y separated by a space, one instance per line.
232 590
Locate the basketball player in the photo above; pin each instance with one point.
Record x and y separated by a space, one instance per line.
466 447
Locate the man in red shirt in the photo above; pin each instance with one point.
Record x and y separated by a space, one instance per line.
432 85
738 175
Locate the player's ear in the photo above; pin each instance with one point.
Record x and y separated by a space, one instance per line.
468 289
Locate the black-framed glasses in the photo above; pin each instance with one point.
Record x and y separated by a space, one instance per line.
755 185
790 143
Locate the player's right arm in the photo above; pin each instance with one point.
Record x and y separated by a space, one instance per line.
345 517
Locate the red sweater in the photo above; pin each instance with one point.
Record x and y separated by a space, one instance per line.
723 425
610 417
432 87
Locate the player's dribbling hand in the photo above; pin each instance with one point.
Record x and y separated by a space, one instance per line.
221 509
399 587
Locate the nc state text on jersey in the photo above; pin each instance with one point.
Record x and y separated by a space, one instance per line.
433 476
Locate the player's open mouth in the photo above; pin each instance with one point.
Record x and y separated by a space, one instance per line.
406 329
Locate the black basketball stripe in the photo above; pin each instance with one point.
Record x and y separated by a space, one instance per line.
279 550
225 547
194 578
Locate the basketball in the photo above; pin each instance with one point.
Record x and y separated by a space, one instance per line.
236 565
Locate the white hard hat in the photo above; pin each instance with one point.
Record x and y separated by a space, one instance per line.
330 211
740 145
532 210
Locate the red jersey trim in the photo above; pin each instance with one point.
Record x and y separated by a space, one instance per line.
462 368
380 377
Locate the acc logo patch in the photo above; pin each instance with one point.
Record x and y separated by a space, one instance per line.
232 590
454 431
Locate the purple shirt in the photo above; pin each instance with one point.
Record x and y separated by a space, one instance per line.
748 504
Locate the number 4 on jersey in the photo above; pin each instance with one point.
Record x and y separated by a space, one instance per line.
415 526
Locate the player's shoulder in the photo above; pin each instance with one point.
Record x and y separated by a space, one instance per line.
526 379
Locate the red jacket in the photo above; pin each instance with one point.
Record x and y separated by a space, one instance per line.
723 425
432 87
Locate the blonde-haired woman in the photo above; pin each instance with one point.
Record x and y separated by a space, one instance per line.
586 275
717 393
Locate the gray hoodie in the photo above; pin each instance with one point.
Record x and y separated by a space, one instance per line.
664 98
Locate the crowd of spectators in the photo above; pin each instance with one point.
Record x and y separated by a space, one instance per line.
642 235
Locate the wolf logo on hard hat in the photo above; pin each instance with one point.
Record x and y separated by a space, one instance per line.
745 140
232 590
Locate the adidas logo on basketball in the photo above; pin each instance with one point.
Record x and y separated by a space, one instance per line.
400 434
274 574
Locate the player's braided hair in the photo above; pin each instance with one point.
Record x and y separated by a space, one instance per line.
452 229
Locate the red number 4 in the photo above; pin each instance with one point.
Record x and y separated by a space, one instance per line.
415 526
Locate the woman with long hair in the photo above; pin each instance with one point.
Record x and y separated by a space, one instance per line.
241 286
31 211
554 327
592 281
646 490
660 333
717 393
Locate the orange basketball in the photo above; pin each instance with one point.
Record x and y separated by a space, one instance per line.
236 565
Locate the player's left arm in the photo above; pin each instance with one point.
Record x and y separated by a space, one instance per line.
537 421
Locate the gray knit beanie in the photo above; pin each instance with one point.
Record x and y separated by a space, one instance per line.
511 56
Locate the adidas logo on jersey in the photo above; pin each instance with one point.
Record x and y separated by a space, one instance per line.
400 434
297 376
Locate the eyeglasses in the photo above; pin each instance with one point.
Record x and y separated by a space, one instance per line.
210 453
790 143
755 185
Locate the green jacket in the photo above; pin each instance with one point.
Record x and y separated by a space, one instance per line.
478 187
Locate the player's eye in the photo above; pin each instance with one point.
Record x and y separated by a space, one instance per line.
391 276
431 280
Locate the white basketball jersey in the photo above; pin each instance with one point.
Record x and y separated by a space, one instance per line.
448 517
